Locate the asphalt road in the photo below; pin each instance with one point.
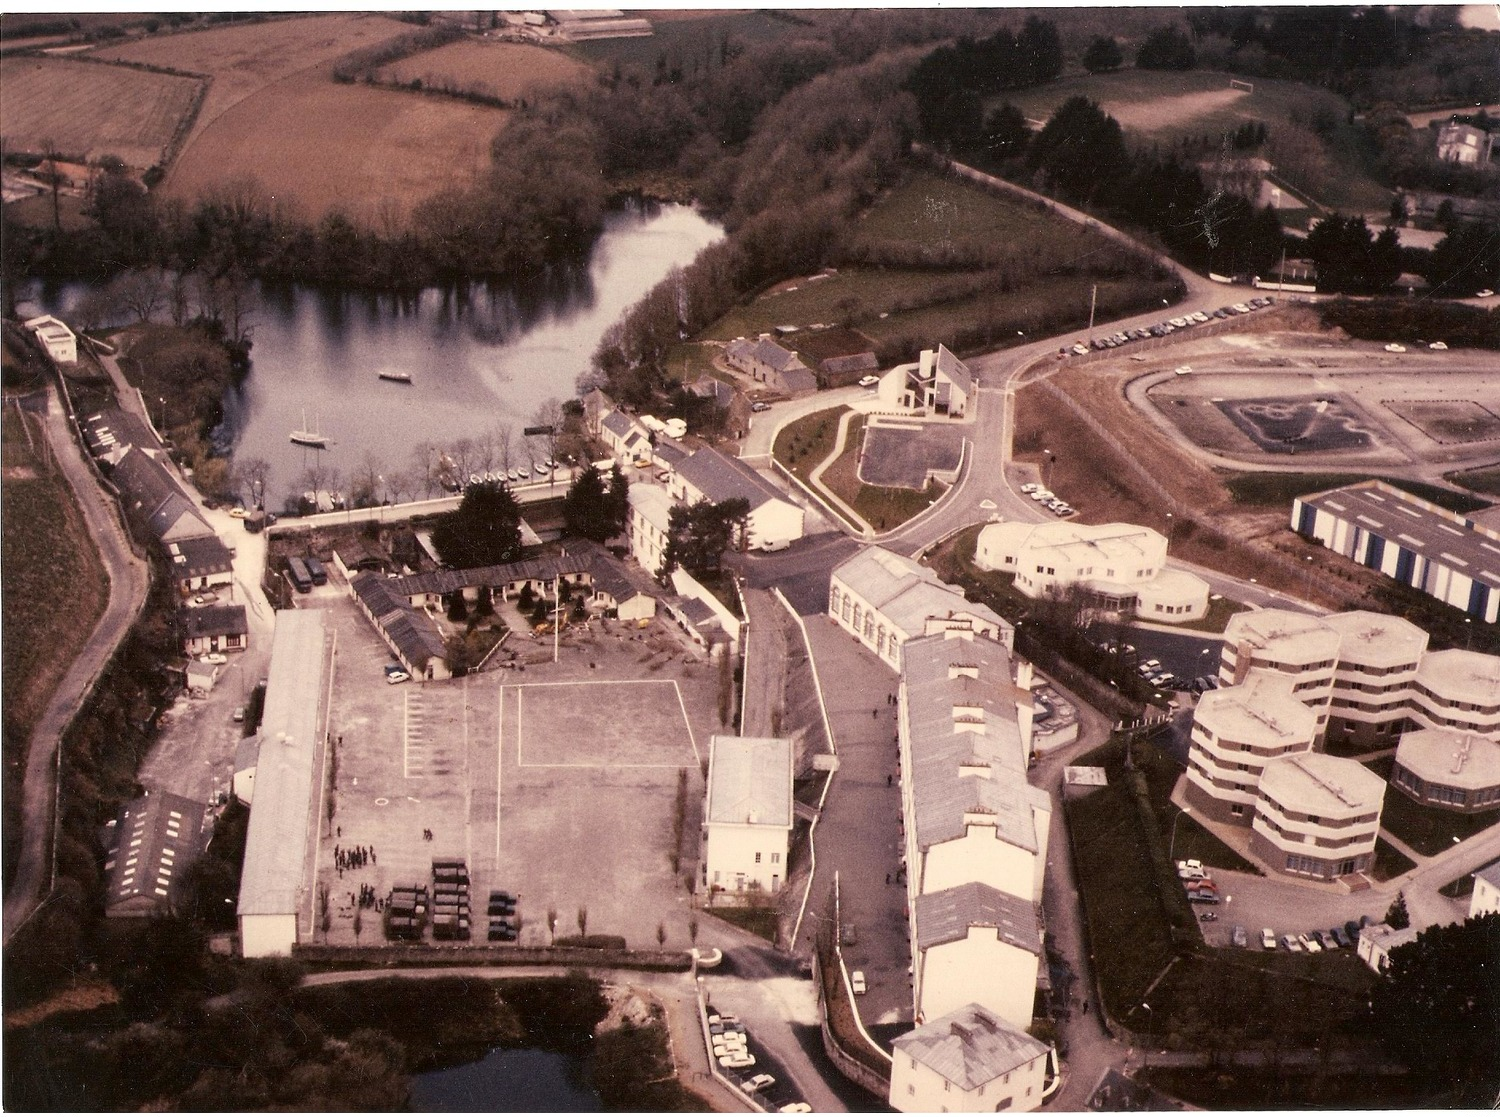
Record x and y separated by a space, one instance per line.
129 579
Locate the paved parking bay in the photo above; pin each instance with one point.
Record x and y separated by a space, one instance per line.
557 781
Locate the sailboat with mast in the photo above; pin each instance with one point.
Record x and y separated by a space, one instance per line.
310 436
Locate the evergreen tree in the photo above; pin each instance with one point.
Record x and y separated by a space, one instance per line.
1396 915
1080 150
1103 55
587 511
1166 49
484 530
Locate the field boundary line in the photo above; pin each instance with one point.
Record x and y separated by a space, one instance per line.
687 721
499 766
596 682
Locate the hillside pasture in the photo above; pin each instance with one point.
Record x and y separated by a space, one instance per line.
87 110
1161 107
508 71
319 146
245 58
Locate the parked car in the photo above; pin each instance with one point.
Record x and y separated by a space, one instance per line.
214 657
857 980
1434 345
238 715
394 677
1310 944
795 1107
1030 487
1241 308
1183 370
736 1062
238 513
1238 937
1267 939
1351 929
205 598
1485 294
1291 943
864 382
1081 349
1202 896
759 1082
759 406
1338 937
1192 874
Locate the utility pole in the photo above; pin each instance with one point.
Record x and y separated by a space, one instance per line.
1094 301
556 617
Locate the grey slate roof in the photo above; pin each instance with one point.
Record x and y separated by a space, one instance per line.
618 423
986 743
214 620
907 592
413 632
853 362
946 916
798 379
154 840
1490 874
177 514
750 781
111 429
720 478
970 1046
955 370
711 387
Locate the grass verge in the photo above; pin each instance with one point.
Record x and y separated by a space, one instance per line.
1429 830
1486 481
1390 862
803 445
758 921
1269 489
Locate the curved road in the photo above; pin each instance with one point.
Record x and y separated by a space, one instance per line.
129 580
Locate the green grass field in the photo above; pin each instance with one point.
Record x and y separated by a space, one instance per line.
1162 107
1430 830
1486 481
1269 489
801 446
55 587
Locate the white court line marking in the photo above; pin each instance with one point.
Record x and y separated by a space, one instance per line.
499 758
468 785
406 757
520 736
692 740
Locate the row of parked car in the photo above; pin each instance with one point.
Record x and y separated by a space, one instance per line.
1047 499
1314 942
730 1044
520 473
1171 325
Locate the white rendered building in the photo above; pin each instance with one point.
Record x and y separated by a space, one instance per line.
1237 732
747 818
1296 646
1486 897
647 525
1121 566
885 599
59 341
1458 689
969 1061
774 519
1317 816
977 944
1378 940
937 384
1457 771
1374 679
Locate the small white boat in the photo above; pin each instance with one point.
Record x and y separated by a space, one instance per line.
310 436
396 377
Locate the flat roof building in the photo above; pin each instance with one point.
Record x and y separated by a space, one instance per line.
1448 768
1237 732
276 882
1317 816
1458 689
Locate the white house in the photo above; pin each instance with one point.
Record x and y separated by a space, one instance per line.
747 817
1464 144
647 525
709 475
936 384
626 439
968 1061
56 338
885 599
1122 567
974 943
1378 940
1486 897
215 628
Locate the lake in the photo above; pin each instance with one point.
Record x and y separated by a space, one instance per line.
478 357
511 1080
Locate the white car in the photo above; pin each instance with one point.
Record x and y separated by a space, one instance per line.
238 513
1241 308
736 1062
1081 349
1485 294
214 657
759 406
857 981
1310 944
1394 348
759 1082
1030 487
394 677
868 381
795 1107
1267 939
1434 345
1183 370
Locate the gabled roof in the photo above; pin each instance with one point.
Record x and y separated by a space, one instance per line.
214 620
144 482
766 352
970 1046
153 841
199 556
1490 874
798 379
177 518
413 632
906 592
946 916
711 387
750 781
953 369
720 478
853 362
619 424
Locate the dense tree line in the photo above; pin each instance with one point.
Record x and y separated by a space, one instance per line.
699 534
484 530
951 83
596 510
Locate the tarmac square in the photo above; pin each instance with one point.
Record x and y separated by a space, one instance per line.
1449 420
901 456
615 723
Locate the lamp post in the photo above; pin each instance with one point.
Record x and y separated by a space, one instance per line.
1169 529
1172 845
163 401
1150 1035
1309 570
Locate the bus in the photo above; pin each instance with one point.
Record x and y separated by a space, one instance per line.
296 570
316 572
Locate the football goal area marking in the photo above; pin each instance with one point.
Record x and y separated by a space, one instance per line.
1247 86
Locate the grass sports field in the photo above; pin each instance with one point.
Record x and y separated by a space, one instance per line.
246 58
1160 107
505 70
88 110
319 145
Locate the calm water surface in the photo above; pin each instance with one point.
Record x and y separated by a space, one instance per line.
479 357
507 1080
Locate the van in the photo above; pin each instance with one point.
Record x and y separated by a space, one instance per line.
316 572
771 546
297 571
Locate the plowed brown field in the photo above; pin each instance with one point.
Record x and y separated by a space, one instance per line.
90 110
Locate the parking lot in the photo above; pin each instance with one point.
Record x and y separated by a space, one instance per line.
557 782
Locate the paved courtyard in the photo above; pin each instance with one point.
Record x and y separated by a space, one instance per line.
555 781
